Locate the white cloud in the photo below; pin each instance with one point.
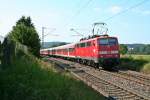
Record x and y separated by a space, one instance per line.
115 9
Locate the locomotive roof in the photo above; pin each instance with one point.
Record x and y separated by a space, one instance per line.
86 40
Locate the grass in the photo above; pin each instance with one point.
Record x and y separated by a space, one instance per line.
25 79
139 63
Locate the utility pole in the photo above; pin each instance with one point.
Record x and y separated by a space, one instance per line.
43 34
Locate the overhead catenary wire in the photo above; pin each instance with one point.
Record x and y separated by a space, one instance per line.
109 18
44 35
78 12
86 4
126 10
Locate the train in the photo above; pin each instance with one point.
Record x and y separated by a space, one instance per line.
96 51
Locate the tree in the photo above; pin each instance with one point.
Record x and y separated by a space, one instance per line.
0 46
0 50
25 33
123 49
147 49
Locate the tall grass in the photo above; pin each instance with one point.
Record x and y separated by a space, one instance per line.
146 68
26 80
139 63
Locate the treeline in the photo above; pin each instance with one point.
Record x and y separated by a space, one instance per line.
144 49
138 48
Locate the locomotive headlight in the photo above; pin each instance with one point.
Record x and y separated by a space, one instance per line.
103 52
114 52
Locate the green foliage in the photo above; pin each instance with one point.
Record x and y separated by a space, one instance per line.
139 63
0 46
26 21
123 49
25 33
146 68
8 51
0 50
26 80
139 48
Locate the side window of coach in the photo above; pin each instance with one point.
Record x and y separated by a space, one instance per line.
88 44
71 49
82 45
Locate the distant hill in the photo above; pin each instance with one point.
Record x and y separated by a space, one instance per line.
53 44
134 45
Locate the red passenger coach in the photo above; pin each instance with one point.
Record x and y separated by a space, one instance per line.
98 50
63 51
44 52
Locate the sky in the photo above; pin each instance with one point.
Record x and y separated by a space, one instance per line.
59 16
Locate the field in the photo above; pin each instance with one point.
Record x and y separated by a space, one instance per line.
139 63
31 79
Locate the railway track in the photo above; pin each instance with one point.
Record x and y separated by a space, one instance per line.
120 86
104 86
138 76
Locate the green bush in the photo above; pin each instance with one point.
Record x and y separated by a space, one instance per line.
136 62
146 68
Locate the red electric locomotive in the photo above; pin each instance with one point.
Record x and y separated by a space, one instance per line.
98 50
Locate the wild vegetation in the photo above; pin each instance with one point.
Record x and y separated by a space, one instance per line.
0 51
123 49
28 79
139 63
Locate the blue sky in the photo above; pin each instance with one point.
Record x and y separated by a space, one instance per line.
132 26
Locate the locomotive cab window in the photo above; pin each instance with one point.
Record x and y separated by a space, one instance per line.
108 41
113 41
